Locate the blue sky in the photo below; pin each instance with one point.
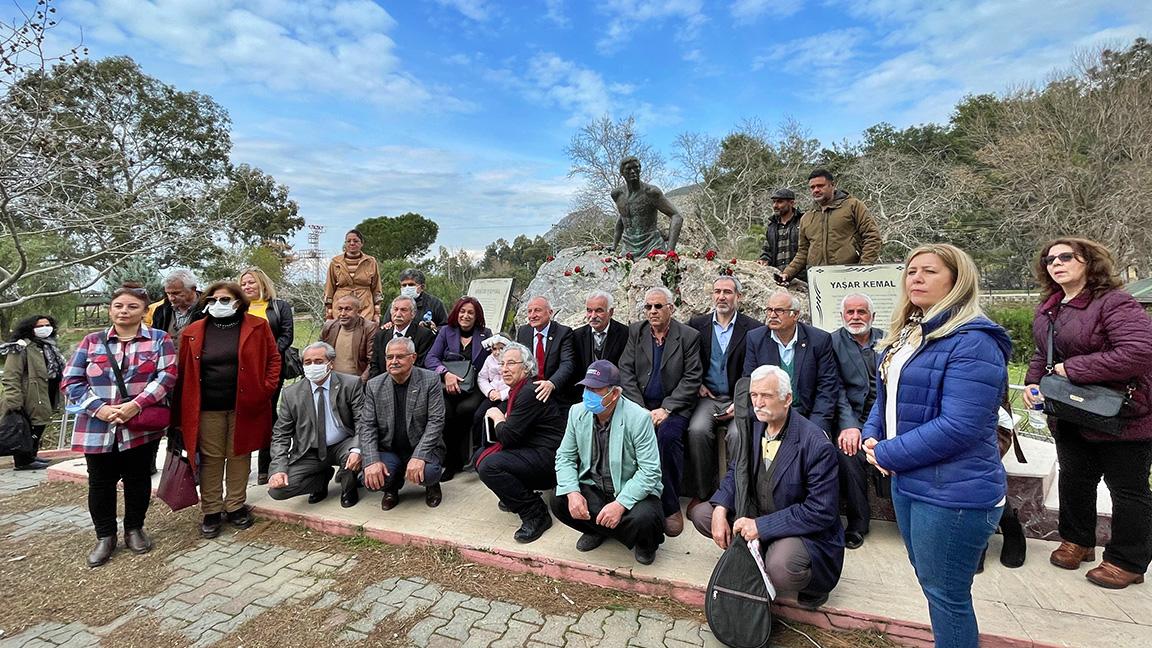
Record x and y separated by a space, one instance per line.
461 109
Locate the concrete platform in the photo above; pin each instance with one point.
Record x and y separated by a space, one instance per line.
1036 605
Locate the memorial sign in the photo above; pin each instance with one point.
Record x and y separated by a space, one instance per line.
493 295
827 285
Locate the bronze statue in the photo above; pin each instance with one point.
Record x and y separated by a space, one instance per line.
638 203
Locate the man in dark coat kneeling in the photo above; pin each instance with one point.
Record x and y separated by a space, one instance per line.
781 488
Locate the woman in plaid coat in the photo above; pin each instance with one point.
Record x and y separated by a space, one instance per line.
114 452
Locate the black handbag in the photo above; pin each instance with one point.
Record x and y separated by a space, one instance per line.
736 602
465 370
291 367
1091 406
15 434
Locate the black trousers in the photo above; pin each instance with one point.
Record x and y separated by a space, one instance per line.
515 475
642 525
134 468
458 412
25 459
854 490
1124 466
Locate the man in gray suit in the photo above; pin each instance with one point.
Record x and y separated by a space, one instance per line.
401 427
316 430
854 345
661 370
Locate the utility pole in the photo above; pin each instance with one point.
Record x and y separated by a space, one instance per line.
314 253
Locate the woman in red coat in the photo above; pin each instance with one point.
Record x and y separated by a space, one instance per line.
229 368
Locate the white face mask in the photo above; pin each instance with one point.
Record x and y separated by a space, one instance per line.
316 373
42 331
408 291
221 311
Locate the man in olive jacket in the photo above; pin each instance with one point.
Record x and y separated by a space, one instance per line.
837 231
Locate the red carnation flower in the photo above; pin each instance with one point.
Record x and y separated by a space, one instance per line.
577 270
550 258
628 256
710 254
567 273
607 259
605 268
733 262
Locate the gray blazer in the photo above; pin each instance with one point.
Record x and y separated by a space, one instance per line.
856 378
680 369
295 430
424 411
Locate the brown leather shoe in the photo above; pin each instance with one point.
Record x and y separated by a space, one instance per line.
389 501
1112 577
433 496
674 524
102 551
137 541
1069 555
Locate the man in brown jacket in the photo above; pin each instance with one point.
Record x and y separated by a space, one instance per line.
837 231
351 335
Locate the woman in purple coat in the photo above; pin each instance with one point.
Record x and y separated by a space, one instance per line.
1102 337
460 339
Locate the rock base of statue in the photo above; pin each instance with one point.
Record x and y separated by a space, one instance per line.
568 278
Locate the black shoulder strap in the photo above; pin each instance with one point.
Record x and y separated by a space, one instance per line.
116 368
1051 362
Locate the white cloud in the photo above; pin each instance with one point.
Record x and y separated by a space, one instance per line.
554 12
339 47
478 10
826 55
625 16
338 185
750 10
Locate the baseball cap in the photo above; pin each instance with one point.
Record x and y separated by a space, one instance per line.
601 373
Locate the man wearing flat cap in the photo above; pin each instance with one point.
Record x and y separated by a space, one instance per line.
781 232
608 469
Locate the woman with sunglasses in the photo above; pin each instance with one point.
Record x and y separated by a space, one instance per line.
32 372
144 360
262 303
1101 337
229 369
460 345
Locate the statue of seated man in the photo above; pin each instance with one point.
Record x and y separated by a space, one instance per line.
637 202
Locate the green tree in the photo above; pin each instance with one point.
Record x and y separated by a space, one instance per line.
407 236
271 217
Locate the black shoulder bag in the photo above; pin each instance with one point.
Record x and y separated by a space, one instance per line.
291 367
736 603
1091 406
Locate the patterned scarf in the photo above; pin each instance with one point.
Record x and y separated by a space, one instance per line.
52 358
912 333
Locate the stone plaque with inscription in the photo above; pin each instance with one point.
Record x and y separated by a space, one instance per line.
493 295
827 285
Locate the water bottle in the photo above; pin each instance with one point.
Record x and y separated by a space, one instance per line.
1036 417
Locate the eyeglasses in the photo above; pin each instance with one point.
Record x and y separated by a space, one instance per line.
781 311
654 306
1065 257
510 363
220 300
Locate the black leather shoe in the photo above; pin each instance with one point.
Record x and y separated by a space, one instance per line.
589 541
261 478
433 496
349 489
210 526
137 541
644 555
853 539
389 501
318 496
102 551
241 518
35 464
503 507
811 600
532 528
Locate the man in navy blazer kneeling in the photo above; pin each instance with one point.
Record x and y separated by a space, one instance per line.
781 488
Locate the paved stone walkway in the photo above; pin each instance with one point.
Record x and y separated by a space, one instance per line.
224 583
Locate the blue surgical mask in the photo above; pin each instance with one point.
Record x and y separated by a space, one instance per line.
594 402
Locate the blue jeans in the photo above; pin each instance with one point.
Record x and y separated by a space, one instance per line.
944 547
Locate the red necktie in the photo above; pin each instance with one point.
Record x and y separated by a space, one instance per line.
540 355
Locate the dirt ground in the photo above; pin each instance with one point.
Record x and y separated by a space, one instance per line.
46 578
